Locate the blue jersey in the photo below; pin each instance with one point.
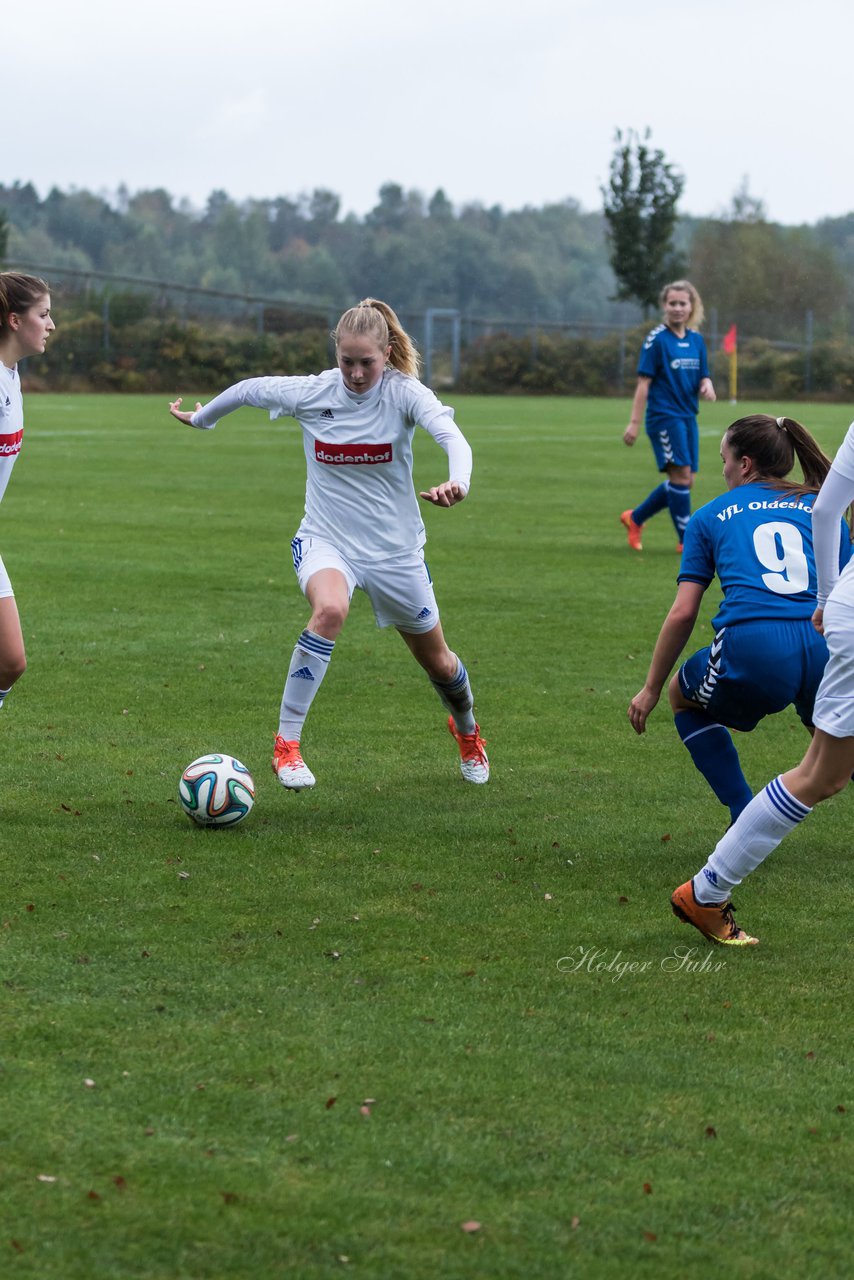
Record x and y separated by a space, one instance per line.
758 540
677 366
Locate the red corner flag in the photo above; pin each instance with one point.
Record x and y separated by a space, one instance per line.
730 342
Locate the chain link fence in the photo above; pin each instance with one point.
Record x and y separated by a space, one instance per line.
449 340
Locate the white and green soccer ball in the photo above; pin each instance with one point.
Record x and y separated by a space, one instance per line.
216 790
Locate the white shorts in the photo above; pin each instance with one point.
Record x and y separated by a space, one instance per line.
400 589
5 584
834 702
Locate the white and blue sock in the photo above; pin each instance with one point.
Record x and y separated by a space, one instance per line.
309 664
679 505
712 749
651 505
457 696
4 693
769 817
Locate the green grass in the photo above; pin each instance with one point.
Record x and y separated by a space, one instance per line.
547 1051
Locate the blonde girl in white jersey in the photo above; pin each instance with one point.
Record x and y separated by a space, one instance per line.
25 324
362 526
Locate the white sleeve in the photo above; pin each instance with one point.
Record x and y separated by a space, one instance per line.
447 434
835 495
273 394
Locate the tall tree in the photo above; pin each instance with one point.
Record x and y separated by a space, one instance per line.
640 210
767 277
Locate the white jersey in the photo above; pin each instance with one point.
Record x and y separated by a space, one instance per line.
358 452
834 496
11 422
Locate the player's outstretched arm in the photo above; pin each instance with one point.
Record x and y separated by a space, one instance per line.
638 409
182 415
444 495
674 635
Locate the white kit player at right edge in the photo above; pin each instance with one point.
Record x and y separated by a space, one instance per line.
362 526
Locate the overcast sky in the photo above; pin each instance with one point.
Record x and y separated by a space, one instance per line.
511 104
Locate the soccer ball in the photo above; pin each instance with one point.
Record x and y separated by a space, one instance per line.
216 790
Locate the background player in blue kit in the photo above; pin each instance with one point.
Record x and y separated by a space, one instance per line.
673 371
766 653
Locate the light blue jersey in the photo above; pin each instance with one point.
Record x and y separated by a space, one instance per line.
677 366
758 540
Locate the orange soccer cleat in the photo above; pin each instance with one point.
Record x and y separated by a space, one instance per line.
633 530
289 766
474 763
715 922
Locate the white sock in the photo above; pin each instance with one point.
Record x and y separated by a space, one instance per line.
4 693
309 664
760 827
457 696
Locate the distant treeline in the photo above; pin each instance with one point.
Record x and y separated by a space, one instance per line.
520 268
549 264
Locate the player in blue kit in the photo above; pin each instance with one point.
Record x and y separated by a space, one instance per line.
765 654
673 371
704 900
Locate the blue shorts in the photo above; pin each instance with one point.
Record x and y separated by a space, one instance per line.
755 669
675 442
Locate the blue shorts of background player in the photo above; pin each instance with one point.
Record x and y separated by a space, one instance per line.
755 669
675 443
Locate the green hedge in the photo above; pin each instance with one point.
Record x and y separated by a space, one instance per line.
550 365
152 354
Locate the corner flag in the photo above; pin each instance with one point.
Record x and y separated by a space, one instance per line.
730 347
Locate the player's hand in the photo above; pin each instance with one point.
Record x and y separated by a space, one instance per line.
444 495
630 434
182 415
640 707
818 620
707 390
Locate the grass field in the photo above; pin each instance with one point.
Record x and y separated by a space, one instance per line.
330 1041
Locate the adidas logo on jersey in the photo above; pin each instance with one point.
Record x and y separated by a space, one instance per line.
328 414
304 673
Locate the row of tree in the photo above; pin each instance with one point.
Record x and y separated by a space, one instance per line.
551 264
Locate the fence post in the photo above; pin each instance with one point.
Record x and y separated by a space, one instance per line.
105 316
428 347
808 353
